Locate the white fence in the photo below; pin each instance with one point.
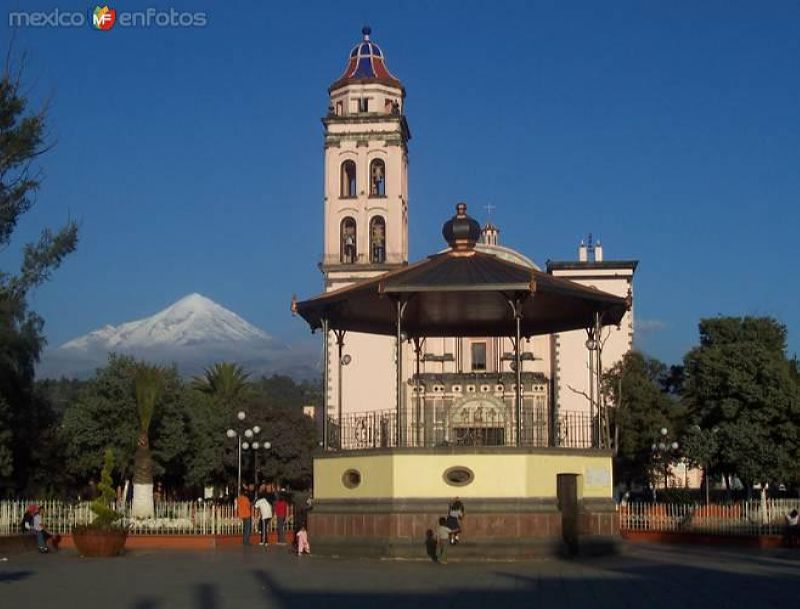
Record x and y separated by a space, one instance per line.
171 517
743 518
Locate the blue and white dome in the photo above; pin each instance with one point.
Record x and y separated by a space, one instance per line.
366 64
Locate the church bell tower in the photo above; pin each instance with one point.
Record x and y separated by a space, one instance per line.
366 165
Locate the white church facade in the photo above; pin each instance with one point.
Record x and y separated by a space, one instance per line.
457 391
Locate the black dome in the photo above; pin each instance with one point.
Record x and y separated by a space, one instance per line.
461 232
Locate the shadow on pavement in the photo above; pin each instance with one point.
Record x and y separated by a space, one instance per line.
207 597
650 580
14 576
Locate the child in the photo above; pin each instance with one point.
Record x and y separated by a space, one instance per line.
455 512
303 547
442 540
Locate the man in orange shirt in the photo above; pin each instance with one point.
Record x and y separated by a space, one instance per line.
246 514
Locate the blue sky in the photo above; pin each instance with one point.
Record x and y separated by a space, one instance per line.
193 157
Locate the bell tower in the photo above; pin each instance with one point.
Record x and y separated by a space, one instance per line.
366 170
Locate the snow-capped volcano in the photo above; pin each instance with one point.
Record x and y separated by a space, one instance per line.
193 333
191 321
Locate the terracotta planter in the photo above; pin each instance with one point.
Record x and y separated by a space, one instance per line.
99 542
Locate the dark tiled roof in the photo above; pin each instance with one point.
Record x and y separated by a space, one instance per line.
452 294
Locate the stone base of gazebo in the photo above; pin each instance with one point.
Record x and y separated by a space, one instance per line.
383 503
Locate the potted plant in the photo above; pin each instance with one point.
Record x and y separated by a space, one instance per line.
106 534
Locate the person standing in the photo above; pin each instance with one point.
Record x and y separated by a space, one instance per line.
265 511
792 529
245 511
42 536
443 533
281 511
455 514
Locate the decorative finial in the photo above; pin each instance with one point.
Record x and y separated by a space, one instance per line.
366 30
461 232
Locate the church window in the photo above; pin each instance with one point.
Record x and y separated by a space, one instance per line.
348 241
479 356
377 178
377 240
363 104
348 179
339 108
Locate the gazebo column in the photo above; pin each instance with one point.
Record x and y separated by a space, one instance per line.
516 308
599 378
339 364
401 419
594 347
325 383
418 414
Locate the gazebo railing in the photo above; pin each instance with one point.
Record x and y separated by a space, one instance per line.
378 429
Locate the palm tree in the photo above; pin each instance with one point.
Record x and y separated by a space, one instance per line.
148 385
224 381
226 385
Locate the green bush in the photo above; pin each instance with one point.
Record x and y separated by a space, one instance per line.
105 517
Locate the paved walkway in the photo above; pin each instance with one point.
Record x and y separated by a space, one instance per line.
644 576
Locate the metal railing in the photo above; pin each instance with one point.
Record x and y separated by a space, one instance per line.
743 518
378 429
361 259
171 518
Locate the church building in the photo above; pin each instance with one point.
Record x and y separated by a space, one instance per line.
457 391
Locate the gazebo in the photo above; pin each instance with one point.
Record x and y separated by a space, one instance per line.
370 499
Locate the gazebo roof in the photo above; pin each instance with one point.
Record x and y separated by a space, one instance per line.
463 292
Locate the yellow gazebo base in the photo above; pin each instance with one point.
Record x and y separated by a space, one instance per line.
517 502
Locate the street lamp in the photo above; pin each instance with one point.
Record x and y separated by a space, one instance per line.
702 445
661 450
256 446
248 434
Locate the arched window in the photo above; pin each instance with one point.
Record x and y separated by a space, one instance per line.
377 178
377 240
348 241
349 179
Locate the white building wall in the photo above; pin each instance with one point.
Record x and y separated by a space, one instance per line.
571 358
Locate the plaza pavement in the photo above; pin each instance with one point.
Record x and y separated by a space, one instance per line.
647 576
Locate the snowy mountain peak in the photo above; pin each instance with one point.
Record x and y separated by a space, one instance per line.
193 333
191 321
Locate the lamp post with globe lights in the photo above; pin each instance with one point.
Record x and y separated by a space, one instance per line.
661 450
244 444
256 446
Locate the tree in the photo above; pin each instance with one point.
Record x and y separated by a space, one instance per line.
148 386
283 392
22 139
105 414
225 382
740 381
637 386
700 448
293 438
226 389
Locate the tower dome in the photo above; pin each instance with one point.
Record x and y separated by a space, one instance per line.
366 65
